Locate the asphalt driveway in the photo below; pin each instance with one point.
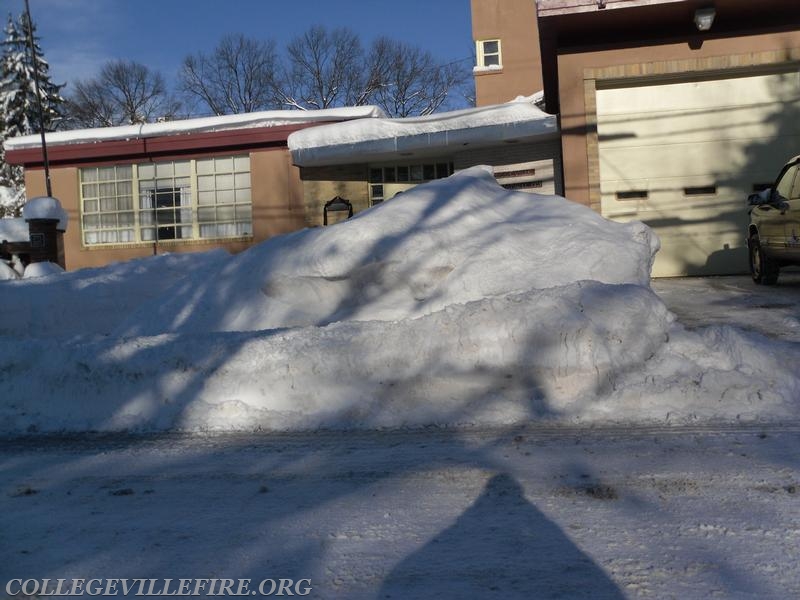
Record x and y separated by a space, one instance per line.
735 300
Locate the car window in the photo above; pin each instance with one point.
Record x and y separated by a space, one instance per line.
795 188
784 187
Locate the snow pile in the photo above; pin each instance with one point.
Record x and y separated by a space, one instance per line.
93 302
45 207
41 269
451 241
7 272
457 303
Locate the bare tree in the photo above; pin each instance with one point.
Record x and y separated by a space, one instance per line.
411 81
125 92
325 69
236 78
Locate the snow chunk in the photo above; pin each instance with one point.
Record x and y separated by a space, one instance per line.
45 207
41 269
6 272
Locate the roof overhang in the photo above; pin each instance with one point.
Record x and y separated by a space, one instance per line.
548 8
161 147
379 140
268 129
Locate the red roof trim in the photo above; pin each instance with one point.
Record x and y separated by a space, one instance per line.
161 147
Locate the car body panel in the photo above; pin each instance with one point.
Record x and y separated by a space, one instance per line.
775 217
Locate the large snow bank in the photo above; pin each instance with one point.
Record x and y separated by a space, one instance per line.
457 303
451 241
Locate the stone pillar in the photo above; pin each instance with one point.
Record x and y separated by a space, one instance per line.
47 222
47 242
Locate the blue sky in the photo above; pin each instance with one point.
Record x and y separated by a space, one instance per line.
78 36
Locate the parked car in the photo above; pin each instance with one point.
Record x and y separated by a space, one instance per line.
773 237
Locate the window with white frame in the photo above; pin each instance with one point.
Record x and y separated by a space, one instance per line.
488 53
165 201
108 216
223 197
173 200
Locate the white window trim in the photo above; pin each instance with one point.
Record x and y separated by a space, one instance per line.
137 210
481 54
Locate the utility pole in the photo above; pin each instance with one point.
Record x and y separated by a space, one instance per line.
32 48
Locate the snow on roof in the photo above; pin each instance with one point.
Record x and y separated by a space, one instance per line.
273 118
45 207
340 142
14 230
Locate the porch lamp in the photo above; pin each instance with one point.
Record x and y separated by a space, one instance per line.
704 18
337 204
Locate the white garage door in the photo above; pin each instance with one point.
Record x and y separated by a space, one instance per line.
682 157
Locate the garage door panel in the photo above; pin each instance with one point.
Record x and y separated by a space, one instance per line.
698 242
755 90
726 124
670 197
682 157
715 159
696 251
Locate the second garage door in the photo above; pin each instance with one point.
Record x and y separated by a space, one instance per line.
683 156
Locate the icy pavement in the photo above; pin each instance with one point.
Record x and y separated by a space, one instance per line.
773 311
515 513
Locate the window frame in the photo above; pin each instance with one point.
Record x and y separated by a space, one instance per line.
481 54
406 172
789 174
146 175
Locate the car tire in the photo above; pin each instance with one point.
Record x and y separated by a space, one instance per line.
764 270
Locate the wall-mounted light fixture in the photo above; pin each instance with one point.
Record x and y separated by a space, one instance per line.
704 18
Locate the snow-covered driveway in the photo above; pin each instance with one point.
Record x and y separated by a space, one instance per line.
514 513
773 311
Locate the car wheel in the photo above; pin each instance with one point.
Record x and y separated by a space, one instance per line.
764 270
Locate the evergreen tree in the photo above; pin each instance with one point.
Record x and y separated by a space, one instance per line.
19 111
